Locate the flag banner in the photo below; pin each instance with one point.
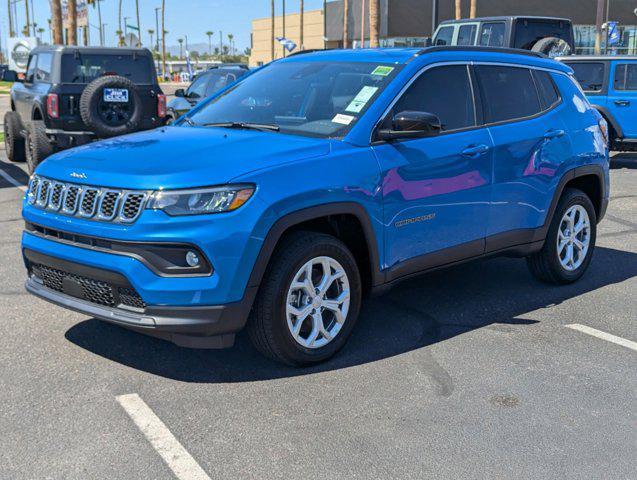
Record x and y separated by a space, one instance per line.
288 44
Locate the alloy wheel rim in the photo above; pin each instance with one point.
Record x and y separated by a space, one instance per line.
573 238
317 302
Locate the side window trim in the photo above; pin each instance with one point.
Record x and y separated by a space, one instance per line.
528 117
412 80
623 66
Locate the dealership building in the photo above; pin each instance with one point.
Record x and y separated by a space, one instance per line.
409 22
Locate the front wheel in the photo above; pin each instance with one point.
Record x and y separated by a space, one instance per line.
38 145
570 241
308 302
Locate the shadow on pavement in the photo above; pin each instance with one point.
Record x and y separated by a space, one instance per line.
624 160
16 172
415 314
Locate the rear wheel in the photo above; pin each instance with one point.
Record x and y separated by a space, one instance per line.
308 302
570 241
13 140
38 146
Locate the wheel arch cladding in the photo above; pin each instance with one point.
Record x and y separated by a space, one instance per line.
610 119
347 221
589 179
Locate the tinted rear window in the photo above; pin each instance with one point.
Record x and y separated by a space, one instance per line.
626 77
590 75
527 33
508 93
84 68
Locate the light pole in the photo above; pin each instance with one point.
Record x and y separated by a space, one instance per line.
125 28
157 25
99 17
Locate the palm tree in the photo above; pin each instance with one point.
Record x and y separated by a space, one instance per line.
11 32
210 34
56 15
139 28
163 35
230 38
181 49
474 6
301 21
345 16
151 32
119 30
72 9
40 31
458 9
28 27
374 27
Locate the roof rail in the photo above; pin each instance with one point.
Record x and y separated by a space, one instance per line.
472 48
311 50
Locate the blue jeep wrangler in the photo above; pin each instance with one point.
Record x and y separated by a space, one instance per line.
610 84
313 181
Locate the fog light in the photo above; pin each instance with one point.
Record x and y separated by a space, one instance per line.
192 259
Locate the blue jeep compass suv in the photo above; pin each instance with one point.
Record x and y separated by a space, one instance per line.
279 202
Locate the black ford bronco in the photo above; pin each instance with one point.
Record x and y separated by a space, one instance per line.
73 95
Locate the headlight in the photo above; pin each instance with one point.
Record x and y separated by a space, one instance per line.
200 201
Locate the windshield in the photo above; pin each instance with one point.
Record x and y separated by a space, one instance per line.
317 99
84 68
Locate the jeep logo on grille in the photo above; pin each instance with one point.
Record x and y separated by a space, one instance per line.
78 175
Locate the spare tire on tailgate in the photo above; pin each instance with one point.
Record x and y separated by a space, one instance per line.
552 47
111 106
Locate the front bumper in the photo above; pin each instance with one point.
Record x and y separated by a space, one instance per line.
199 326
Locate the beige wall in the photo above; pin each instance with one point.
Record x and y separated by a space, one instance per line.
261 34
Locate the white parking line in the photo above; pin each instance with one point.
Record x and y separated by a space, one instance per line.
12 180
174 454
604 336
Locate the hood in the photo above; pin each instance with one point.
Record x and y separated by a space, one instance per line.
178 157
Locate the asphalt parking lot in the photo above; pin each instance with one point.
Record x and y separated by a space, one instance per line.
472 372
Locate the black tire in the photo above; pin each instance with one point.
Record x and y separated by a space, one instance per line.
92 105
13 140
38 146
552 47
545 264
267 325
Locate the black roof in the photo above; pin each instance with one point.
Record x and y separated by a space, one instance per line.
505 18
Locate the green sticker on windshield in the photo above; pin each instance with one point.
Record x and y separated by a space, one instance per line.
382 70
360 100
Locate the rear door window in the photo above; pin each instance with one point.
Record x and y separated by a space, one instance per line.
444 91
590 75
508 93
43 68
492 34
444 37
467 34
626 76
86 67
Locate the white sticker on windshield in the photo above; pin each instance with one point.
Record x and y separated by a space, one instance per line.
343 119
360 100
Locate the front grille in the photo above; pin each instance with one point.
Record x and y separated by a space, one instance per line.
88 289
122 206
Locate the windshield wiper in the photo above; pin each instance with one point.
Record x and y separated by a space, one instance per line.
267 127
189 122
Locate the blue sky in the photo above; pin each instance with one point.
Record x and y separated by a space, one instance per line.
183 17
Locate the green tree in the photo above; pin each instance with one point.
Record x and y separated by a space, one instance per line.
210 34
181 48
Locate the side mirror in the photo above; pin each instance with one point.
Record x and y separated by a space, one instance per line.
410 124
9 76
429 42
180 92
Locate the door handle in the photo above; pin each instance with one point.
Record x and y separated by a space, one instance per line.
475 150
622 103
554 134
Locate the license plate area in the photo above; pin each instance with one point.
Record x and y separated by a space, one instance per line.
116 95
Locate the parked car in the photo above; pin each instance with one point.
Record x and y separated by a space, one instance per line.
74 95
550 36
204 85
317 179
610 84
